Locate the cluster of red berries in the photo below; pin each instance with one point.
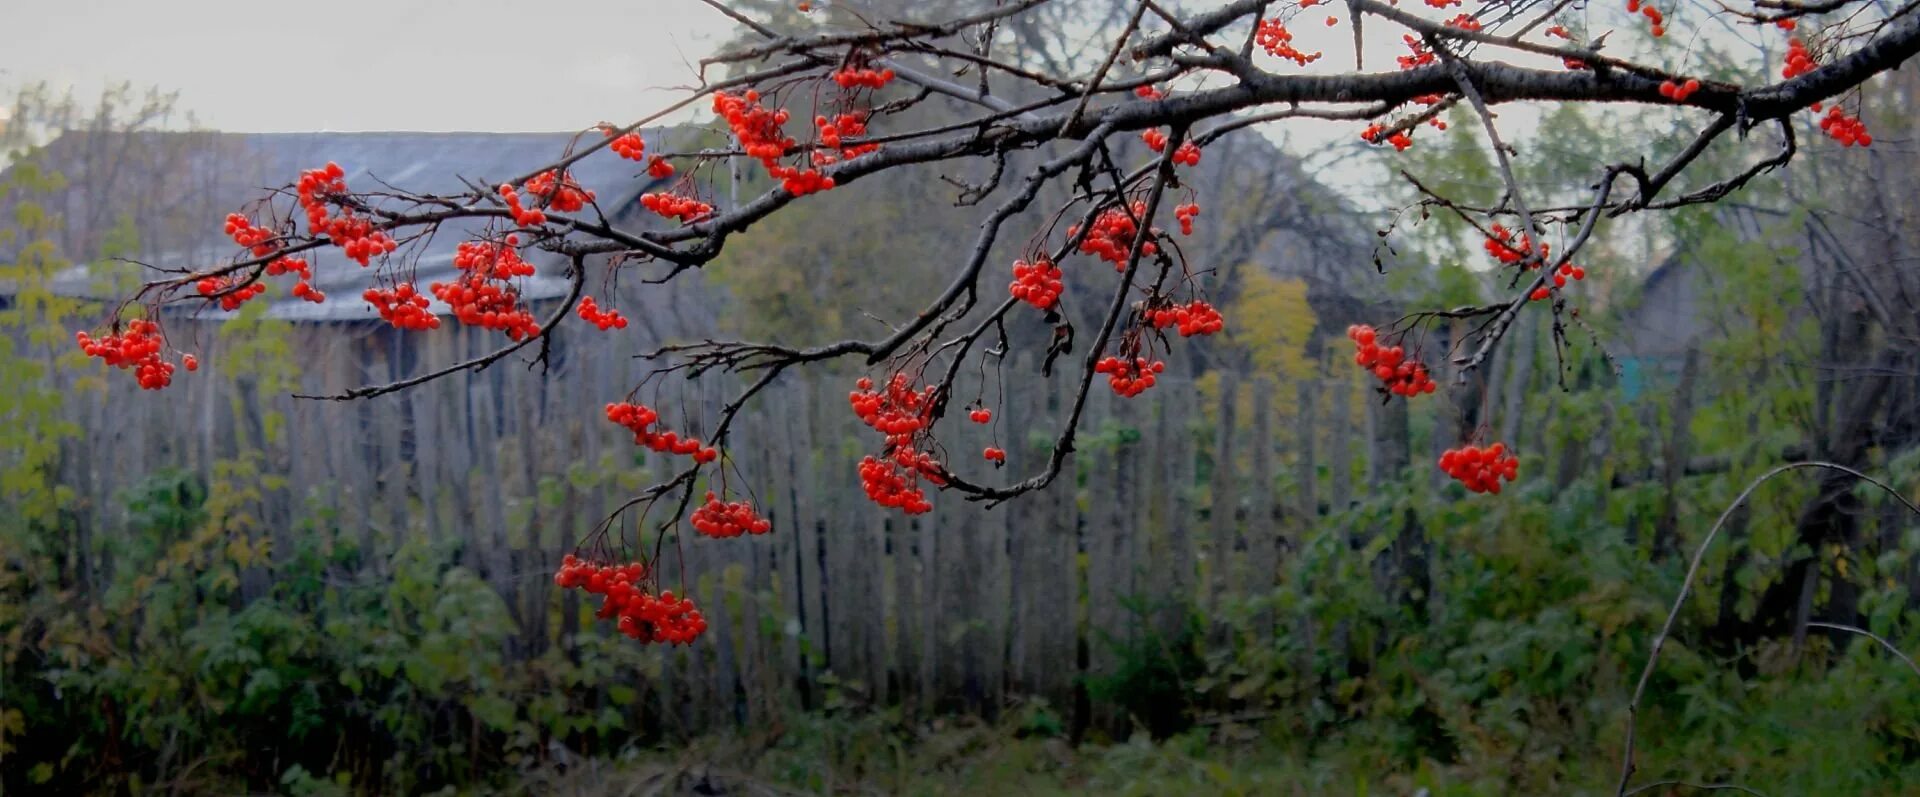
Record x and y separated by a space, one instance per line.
1374 133
258 240
522 215
658 168
1389 364
354 235
280 266
801 182
137 348
1848 130
1480 469
1149 93
891 485
639 419
1419 56
1111 236
760 134
560 192
980 415
757 128
481 296
675 206
643 616
1443 3
1653 15
305 290
717 518
900 413
1037 283
862 78
1193 318
1185 214
234 296
626 145
1273 36
832 134
1565 272
604 319
1679 92
1187 155
1129 379
1508 248
1463 22
403 306
994 454
1799 59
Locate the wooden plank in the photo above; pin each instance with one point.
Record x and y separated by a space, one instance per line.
1306 454
1263 543
1340 442
1224 495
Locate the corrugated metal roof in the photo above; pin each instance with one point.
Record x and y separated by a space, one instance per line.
435 163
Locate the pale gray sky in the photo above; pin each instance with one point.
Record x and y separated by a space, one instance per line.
273 65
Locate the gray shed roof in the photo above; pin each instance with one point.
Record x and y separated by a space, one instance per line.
246 164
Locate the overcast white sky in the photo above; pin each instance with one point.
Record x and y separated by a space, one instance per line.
274 65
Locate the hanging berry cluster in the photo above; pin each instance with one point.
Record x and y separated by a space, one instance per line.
1193 318
642 615
1185 214
1418 55
722 519
639 419
1273 36
759 132
1111 235
604 319
626 145
1037 283
1844 128
522 215
1389 364
1566 271
1799 59
1129 379
1503 246
402 306
901 413
675 206
1400 140
862 78
1480 469
137 348
355 235
559 192
658 168
1679 91
833 132
1656 21
482 296
234 296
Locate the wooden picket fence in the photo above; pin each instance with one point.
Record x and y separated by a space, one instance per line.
1179 497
